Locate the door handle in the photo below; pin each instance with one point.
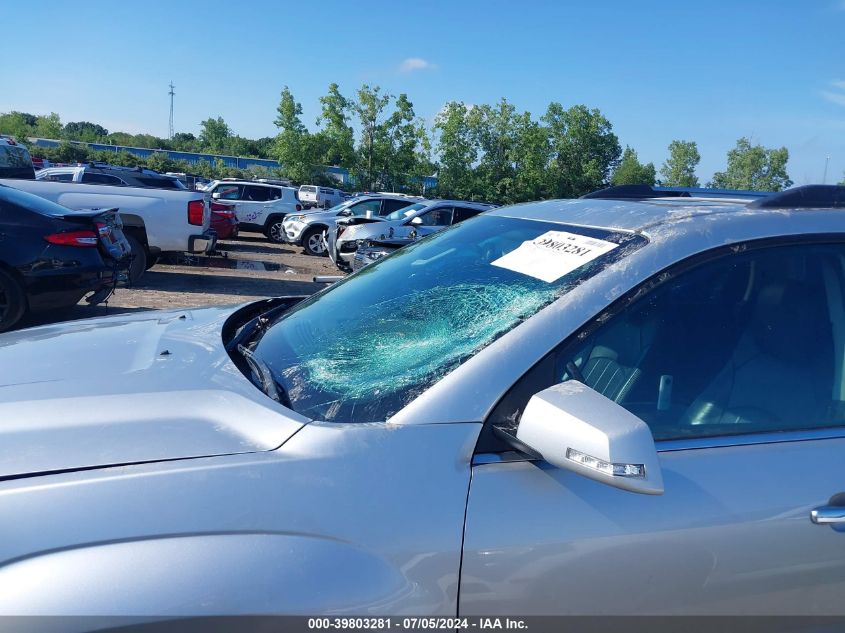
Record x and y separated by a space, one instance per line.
828 515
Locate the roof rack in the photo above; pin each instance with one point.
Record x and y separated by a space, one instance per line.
805 197
643 192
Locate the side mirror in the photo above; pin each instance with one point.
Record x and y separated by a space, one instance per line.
345 213
573 427
216 195
417 221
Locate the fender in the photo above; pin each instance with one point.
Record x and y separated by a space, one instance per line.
201 575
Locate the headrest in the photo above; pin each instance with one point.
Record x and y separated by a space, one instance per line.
787 320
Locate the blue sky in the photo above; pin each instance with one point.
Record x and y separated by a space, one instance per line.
705 71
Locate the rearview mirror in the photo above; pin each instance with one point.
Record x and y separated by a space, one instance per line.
574 427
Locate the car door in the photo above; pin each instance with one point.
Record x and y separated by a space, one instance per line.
736 364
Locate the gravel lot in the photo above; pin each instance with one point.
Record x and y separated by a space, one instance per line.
237 275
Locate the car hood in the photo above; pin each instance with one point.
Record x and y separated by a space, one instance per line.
320 216
153 386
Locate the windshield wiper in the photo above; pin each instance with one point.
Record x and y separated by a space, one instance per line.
250 330
267 382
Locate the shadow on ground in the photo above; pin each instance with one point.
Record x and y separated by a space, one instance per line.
186 282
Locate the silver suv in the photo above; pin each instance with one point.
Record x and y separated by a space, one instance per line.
627 404
310 230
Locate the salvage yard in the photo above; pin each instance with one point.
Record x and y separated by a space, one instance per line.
247 268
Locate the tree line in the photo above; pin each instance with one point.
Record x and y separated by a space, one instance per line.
481 152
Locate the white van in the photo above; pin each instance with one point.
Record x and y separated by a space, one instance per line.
316 196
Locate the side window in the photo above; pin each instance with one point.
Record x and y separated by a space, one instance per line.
362 208
59 177
391 205
464 213
101 179
441 216
229 192
254 193
751 342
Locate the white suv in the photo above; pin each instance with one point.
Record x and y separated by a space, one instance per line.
315 196
259 206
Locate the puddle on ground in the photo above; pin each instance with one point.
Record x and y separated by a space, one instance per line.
229 263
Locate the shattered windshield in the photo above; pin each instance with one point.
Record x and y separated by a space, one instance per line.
368 346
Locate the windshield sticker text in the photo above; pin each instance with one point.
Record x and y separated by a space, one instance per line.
553 254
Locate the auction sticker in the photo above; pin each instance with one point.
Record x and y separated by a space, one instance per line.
553 254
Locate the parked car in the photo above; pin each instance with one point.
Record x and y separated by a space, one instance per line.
416 220
625 404
155 220
260 207
310 230
104 174
15 161
52 256
316 196
224 222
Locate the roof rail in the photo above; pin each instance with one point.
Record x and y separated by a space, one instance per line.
805 197
643 192
634 192
713 192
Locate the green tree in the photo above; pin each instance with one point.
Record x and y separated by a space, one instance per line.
160 162
68 152
203 168
630 171
531 154
84 131
48 126
493 128
401 143
679 168
754 167
294 148
584 150
185 142
457 149
120 138
214 135
369 107
338 145
15 124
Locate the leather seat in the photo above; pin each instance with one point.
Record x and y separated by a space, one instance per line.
781 372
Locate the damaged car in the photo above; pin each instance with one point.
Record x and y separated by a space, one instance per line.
627 404
408 223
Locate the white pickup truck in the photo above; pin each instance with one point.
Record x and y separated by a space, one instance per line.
155 220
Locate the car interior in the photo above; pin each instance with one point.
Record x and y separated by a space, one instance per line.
740 347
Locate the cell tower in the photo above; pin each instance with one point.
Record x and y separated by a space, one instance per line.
171 93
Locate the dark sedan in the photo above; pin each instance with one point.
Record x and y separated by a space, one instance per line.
51 256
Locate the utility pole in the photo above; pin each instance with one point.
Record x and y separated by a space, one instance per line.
824 178
171 93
